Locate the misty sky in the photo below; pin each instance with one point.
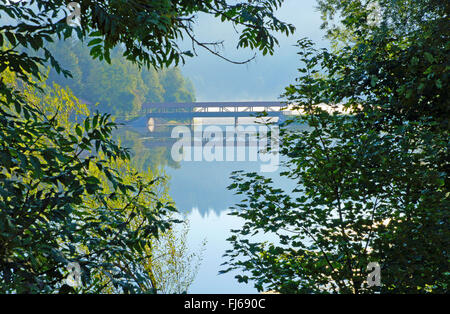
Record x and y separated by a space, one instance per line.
262 79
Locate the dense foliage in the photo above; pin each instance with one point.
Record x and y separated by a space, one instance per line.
370 175
68 194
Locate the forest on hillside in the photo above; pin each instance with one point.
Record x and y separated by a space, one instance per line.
119 88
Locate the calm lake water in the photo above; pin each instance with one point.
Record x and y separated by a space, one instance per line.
199 189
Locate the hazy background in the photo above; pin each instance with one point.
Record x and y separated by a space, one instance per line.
265 77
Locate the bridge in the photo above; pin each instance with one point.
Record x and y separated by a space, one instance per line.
192 110
207 109
186 113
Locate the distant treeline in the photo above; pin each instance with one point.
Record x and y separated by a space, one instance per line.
121 87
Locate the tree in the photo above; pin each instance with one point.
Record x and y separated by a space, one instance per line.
47 170
176 88
172 264
119 88
148 30
72 57
165 264
400 62
369 177
66 196
155 89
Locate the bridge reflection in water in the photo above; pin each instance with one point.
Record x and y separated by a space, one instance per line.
157 120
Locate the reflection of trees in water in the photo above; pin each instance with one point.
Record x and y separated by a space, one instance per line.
144 156
201 185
